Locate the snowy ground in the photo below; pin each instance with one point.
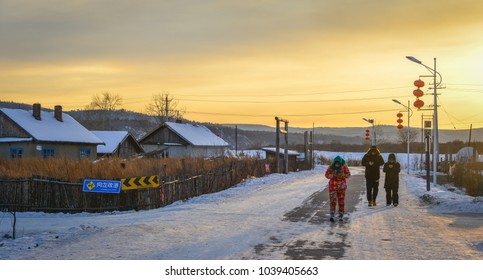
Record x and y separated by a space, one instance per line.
229 225
211 226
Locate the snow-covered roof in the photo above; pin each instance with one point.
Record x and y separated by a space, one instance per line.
112 139
196 135
49 129
14 139
282 151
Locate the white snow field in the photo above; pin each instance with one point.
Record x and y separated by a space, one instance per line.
239 223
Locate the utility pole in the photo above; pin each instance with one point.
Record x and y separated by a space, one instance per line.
435 112
469 139
410 113
422 141
428 188
306 147
473 156
435 128
409 135
277 145
371 121
277 141
286 147
312 139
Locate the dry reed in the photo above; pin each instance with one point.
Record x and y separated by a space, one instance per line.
109 168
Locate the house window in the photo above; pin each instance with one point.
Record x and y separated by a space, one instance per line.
48 152
16 152
85 152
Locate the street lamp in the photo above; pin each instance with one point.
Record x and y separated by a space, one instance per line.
371 121
410 113
435 114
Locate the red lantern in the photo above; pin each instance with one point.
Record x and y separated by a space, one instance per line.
367 131
418 93
418 103
367 138
399 121
419 83
399 115
400 126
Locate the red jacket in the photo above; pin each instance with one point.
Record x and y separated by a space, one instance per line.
337 179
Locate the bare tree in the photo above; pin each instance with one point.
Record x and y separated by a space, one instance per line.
105 101
403 136
165 107
377 134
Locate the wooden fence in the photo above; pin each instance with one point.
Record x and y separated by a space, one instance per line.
53 195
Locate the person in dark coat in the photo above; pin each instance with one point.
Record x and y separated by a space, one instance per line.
373 161
391 181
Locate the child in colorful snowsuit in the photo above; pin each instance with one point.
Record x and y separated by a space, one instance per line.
391 181
337 173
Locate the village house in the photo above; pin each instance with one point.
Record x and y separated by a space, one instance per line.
118 144
174 139
42 134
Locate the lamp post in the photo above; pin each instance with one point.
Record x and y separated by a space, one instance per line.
435 114
371 121
410 113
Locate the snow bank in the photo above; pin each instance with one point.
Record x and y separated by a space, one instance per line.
444 199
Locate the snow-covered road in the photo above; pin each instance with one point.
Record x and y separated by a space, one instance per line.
252 221
412 231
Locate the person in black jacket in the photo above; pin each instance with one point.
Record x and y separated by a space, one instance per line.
373 161
391 181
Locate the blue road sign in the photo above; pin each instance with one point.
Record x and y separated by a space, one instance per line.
101 186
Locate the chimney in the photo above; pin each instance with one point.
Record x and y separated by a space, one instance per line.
36 111
58 113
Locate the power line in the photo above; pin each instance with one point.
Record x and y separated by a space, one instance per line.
141 100
473 85
136 100
465 90
291 101
447 114
286 115
296 93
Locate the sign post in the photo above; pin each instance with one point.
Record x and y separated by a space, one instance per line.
143 182
101 186
428 188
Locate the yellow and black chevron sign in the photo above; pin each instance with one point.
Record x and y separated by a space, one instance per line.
140 182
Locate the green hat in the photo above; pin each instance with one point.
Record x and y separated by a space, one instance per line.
339 160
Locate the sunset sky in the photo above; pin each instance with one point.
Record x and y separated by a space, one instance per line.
328 63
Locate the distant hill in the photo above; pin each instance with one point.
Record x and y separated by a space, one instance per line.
137 124
250 136
15 105
387 133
